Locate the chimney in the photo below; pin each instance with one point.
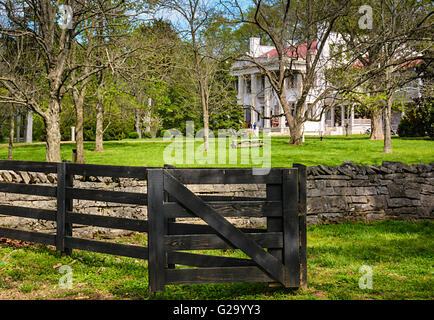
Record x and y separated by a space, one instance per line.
254 46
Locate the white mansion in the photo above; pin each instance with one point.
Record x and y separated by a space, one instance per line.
256 93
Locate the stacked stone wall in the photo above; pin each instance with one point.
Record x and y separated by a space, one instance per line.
344 193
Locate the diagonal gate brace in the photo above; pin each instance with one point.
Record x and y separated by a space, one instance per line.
267 262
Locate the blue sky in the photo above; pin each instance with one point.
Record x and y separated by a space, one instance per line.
176 19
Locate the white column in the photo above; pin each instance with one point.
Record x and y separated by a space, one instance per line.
72 134
267 108
241 90
28 134
298 84
332 116
351 124
254 93
240 96
343 116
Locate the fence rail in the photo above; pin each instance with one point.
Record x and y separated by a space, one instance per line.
274 254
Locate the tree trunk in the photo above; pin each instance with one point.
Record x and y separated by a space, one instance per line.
204 101
52 125
11 132
148 116
347 121
387 121
18 128
294 123
388 115
79 136
78 95
377 125
138 124
295 132
205 129
99 133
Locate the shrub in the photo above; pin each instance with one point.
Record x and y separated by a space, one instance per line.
162 132
39 132
147 134
418 122
133 135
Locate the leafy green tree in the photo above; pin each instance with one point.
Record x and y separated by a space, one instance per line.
418 120
52 39
287 25
385 53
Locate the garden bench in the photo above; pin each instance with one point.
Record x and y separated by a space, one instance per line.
247 143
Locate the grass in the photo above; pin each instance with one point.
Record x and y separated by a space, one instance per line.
401 255
332 150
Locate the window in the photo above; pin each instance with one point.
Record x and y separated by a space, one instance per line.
249 86
291 81
311 111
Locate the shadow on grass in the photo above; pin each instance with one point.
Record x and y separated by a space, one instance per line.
221 291
415 138
401 253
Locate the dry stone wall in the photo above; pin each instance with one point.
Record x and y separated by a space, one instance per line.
353 192
348 192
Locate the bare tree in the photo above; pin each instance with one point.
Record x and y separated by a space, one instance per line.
195 15
303 31
386 56
11 131
79 90
299 31
148 71
407 23
53 40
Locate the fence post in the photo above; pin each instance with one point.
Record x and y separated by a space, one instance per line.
165 199
302 176
61 207
274 224
290 227
69 204
157 230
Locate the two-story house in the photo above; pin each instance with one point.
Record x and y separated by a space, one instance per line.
257 96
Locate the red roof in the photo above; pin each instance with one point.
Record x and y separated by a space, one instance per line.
404 65
411 64
295 51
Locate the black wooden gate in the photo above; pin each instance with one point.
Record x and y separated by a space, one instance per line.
276 253
284 261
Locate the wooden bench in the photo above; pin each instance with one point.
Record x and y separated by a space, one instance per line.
247 143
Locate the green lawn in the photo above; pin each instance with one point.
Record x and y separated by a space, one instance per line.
332 150
401 255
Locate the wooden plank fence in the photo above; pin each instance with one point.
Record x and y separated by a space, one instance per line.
275 254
